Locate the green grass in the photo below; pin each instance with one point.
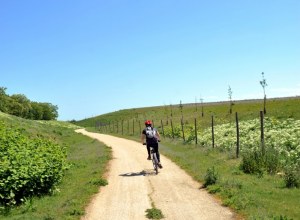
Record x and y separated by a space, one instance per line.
247 109
88 159
251 196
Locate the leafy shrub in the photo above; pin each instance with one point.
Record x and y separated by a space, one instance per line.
27 166
211 177
252 162
177 132
154 213
292 176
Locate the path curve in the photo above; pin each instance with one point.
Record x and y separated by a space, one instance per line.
132 187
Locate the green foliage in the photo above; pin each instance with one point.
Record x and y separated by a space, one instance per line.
99 182
215 188
154 213
28 166
211 177
281 217
292 176
19 105
255 162
252 162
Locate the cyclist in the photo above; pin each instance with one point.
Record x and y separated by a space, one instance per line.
152 137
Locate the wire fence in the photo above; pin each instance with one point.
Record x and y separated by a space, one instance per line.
178 129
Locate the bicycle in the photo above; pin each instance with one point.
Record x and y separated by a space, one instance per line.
153 158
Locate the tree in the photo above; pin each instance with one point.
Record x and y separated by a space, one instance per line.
15 108
230 99
166 113
36 112
264 84
171 108
21 105
49 111
181 107
202 112
3 100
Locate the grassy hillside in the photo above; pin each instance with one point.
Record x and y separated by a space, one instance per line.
247 109
87 161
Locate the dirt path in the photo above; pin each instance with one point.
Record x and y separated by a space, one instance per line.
133 187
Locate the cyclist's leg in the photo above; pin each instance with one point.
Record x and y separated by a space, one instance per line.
148 150
157 155
155 146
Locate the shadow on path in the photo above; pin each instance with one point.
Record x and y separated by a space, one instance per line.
142 173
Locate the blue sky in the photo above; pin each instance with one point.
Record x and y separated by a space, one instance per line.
93 57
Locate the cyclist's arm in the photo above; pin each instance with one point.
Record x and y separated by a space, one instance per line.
157 135
143 138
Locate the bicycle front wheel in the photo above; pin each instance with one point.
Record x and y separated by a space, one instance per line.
155 163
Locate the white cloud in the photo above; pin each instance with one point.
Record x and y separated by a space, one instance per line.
282 92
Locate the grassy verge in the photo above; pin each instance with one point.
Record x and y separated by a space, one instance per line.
88 159
255 197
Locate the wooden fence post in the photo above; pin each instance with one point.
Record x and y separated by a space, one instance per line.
140 127
182 129
196 135
117 127
172 128
122 127
162 127
212 131
128 131
262 138
133 127
237 135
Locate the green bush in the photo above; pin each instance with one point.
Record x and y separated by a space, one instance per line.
154 213
211 177
27 166
292 176
252 162
255 162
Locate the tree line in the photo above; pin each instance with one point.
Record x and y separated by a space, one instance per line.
19 105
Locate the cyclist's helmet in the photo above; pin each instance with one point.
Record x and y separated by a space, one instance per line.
148 123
